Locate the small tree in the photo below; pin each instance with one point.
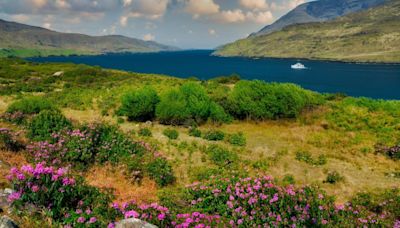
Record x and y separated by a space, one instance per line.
139 105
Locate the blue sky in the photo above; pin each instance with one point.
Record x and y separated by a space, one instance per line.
199 24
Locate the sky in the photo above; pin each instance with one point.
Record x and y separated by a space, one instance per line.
187 24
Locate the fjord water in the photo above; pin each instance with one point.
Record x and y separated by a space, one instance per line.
367 80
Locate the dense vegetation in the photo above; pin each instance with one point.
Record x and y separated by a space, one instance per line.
367 36
162 133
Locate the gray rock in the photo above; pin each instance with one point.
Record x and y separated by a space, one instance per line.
133 223
6 222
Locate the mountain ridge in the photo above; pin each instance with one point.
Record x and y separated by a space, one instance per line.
318 11
21 38
368 36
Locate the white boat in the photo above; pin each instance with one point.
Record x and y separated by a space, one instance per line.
299 66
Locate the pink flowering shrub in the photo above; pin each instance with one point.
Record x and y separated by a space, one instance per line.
259 201
53 190
163 217
152 213
83 147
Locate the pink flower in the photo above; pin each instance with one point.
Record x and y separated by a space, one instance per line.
161 216
111 225
81 220
92 220
35 188
14 196
131 214
324 222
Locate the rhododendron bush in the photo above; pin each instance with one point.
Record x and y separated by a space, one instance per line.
53 190
259 201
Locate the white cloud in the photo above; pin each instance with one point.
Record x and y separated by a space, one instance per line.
150 9
294 3
21 18
254 4
260 17
201 7
46 25
212 32
231 16
149 37
123 21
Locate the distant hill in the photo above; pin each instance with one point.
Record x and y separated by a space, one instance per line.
368 36
24 40
319 11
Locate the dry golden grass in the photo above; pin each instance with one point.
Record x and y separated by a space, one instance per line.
108 177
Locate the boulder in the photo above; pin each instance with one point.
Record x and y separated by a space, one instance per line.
6 222
133 223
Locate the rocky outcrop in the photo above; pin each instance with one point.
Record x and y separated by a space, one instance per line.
6 222
134 223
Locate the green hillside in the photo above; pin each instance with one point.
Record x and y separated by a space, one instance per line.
25 41
368 36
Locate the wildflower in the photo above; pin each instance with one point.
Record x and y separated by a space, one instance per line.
81 220
131 214
92 220
35 188
161 216
14 196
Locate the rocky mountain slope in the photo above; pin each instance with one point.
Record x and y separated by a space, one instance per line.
319 11
25 40
368 36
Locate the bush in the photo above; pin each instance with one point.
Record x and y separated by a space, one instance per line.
171 133
333 178
9 141
259 100
391 152
160 171
214 135
30 105
83 147
46 123
139 105
237 139
190 103
55 192
195 132
306 157
221 156
288 180
146 132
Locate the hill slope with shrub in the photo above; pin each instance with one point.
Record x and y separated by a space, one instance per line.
107 145
27 41
367 36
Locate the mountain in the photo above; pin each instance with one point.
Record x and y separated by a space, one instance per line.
368 36
319 11
24 40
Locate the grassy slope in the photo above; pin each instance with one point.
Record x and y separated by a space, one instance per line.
26 41
271 148
370 36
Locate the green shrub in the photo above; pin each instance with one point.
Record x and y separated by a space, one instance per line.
288 180
306 157
139 105
259 100
171 133
161 172
146 132
46 123
30 105
195 132
189 104
214 135
221 156
237 139
333 178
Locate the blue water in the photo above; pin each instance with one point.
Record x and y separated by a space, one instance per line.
369 80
